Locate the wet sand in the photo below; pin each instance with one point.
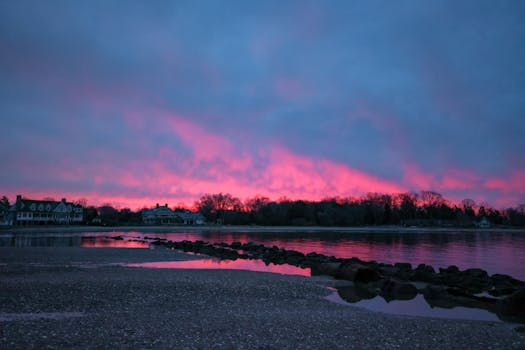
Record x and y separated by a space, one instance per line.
77 298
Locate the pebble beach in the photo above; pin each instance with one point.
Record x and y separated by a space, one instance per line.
86 298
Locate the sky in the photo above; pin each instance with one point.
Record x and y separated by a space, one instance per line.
138 102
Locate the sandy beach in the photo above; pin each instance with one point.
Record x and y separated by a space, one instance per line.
80 298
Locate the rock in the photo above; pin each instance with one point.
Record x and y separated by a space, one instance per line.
445 297
366 275
520 329
388 270
403 266
404 271
354 294
478 273
512 308
329 269
393 290
357 273
451 276
423 273
504 285
502 291
452 269
475 284
236 245
294 259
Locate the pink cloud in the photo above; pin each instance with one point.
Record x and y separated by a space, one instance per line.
514 184
417 179
214 164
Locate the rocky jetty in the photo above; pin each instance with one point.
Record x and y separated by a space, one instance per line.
447 288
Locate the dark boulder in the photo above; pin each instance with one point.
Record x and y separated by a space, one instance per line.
477 273
520 329
329 269
404 271
388 270
366 275
423 273
504 285
512 308
357 272
446 297
403 266
356 293
452 269
451 276
393 290
474 285
236 245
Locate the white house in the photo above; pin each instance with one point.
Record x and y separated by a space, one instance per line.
483 223
40 212
162 215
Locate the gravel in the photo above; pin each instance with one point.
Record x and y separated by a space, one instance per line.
77 298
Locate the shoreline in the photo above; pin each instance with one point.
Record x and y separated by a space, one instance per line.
67 304
250 229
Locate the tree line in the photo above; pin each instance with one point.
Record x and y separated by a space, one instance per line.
426 208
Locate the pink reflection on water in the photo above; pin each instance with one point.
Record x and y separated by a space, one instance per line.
240 264
103 242
493 252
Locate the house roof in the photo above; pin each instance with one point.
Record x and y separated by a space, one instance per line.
34 205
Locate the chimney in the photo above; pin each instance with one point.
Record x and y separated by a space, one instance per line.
63 200
166 205
157 205
18 197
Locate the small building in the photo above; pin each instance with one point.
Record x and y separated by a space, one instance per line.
190 218
44 212
162 215
4 214
484 223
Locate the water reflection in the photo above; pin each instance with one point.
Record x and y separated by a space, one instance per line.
496 252
250 265
417 307
40 241
105 242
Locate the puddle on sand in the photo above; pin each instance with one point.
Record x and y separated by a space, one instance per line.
240 264
416 307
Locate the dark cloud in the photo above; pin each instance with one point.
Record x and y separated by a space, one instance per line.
404 92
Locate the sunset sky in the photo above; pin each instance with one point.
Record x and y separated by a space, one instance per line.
138 102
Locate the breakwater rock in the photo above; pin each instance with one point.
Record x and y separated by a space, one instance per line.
447 287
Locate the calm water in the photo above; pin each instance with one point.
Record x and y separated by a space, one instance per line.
496 252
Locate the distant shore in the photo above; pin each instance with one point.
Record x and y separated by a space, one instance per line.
247 229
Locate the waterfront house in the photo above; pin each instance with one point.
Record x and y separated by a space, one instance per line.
42 212
4 214
483 223
190 218
162 215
